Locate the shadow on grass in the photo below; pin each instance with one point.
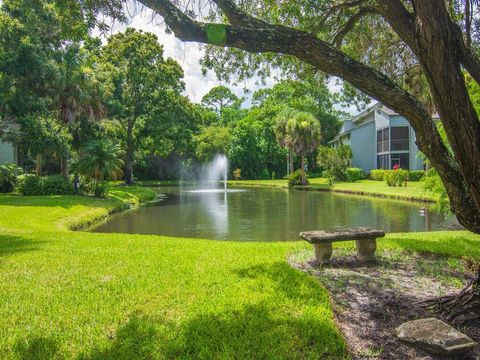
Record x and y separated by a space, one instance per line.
10 244
255 332
38 348
294 325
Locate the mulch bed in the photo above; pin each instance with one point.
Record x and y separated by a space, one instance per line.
372 299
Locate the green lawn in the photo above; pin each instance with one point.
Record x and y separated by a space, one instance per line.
414 190
66 294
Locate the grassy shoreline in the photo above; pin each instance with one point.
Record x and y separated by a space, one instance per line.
413 192
74 294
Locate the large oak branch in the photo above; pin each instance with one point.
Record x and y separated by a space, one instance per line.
264 37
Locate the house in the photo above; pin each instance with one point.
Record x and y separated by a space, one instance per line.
380 139
8 152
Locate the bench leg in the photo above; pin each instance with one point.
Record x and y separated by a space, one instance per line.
323 252
366 249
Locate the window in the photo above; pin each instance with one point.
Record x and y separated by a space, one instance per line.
383 139
382 161
400 137
402 160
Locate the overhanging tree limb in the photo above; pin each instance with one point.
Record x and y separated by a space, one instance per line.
265 37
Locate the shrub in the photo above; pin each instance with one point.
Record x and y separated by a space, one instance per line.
416 175
274 175
56 185
100 190
8 177
377 175
335 161
31 185
396 177
237 174
354 174
295 178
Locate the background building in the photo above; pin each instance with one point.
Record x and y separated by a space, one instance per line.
380 138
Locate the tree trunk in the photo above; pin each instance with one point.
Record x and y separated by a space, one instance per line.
304 176
129 168
292 161
38 164
130 149
64 166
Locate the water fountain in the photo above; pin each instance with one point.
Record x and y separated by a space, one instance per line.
217 170
213 173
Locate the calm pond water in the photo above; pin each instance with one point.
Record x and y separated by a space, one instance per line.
268 214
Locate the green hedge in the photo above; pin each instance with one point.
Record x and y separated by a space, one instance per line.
377 175
413 175
354 174
31 185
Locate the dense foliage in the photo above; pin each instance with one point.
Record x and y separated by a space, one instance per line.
61 89
32 185
335 162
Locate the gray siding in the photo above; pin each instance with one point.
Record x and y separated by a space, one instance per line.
362 141
416 161
398 121
382 120
7 153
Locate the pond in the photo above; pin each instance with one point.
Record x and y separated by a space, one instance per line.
260 214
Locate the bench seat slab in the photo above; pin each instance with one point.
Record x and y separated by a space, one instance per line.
324 237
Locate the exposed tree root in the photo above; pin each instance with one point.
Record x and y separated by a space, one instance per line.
459 309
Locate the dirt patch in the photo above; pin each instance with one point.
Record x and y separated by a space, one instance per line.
372 299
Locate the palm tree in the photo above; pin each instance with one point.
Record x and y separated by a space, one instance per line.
78 91
100 161
299 132
281 133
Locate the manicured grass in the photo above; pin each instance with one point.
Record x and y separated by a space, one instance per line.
85 295
414 190
82 295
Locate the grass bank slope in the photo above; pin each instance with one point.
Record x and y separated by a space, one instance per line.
414 191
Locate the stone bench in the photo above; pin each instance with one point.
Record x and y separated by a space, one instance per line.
322 242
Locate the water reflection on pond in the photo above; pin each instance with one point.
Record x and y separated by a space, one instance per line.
269 214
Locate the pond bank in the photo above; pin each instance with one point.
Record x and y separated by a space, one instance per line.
413 192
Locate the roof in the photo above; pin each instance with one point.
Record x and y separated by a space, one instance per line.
377 106
349 125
